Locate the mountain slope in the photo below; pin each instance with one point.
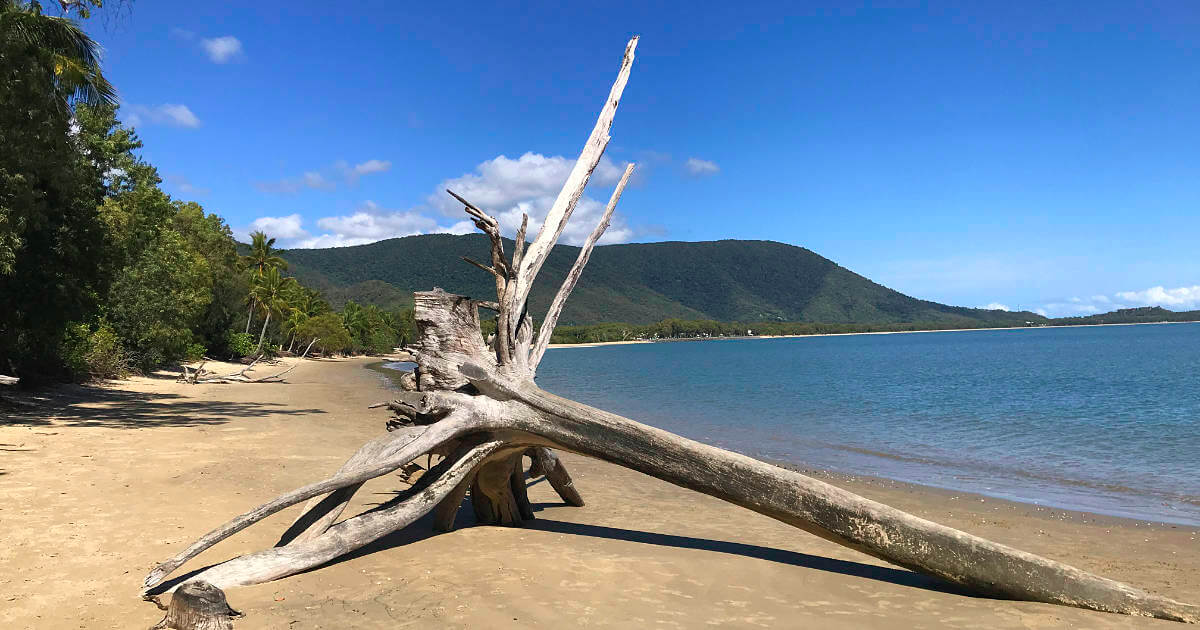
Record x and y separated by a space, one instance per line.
636 283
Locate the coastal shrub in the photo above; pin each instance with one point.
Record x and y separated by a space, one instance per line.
240 344
332 336
195 351
380 341
95 354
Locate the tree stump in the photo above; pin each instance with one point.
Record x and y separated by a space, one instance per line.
198 605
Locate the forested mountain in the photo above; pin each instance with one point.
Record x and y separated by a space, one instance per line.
639 283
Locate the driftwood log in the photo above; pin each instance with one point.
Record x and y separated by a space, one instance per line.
200 375
474 406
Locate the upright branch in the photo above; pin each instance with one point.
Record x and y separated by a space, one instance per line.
514 329
501 270
572 190
568 285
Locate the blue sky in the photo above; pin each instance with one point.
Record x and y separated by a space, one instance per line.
1034 155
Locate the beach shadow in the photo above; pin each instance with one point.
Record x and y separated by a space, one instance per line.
423 529
83 406
901 577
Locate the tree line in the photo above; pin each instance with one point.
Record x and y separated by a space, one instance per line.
700 329
101 271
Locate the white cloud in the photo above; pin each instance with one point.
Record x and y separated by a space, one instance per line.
289 227
506 188
696 166
166 114
503 186
324 178
185 186
313 179
372 166
371 222
1178 299
182 33
1181 298
996 306
222 49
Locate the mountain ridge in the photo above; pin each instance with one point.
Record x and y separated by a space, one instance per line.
637 283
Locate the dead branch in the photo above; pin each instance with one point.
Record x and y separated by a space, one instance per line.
568 285
279 376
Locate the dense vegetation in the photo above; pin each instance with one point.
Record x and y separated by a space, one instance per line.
1140 315
703 329
102 272
642 283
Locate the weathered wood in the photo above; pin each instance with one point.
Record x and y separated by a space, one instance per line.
568 285
401 449
348 535
556 219
321 512
519 248
198 605
556 473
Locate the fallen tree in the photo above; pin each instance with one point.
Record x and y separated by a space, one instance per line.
200 375
473 406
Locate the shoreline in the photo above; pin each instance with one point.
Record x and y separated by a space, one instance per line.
596 344
101 482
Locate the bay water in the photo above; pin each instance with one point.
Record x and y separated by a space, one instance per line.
1104 419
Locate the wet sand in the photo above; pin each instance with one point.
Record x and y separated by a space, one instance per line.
98 484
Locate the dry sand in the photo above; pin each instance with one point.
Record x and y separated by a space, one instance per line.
101 483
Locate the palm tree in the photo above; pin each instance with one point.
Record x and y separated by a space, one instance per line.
354 318
270 294
261 258
296 319
70 57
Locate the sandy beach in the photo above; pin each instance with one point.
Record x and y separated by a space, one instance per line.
99 483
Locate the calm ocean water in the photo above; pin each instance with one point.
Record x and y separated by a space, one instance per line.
1104 419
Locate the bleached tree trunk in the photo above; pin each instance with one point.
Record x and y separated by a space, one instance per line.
250 315
263 335
477 408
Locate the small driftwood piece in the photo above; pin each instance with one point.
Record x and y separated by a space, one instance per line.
475 407
199 375
198 605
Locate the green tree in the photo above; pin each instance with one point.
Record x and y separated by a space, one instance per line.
270 293
261 258
156 302
51 238
354 318
327 329
208 236
63 52
295 318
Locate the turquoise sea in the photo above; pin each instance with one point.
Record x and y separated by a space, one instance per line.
1103 419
